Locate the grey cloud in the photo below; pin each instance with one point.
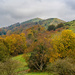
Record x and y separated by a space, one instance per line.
12 11
70 3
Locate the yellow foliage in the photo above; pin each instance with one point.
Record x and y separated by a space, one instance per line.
64 43
16 43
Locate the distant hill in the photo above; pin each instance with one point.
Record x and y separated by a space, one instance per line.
50 21
32 20
19 27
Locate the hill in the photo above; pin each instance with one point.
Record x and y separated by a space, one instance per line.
50 21
19 27
32 20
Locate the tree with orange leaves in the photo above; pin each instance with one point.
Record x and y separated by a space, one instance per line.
16 43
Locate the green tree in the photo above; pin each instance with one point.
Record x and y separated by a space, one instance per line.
37 55
60 25
51 27
38 59
4 52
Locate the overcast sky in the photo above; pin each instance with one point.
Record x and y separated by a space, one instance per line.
13 11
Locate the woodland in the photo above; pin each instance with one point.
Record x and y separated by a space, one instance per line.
38 47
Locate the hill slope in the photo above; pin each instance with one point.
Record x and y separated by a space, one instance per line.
19 27
54 21
32 20
70 25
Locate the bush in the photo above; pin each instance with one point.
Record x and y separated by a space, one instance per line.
60 25
8 67
62 67
51 27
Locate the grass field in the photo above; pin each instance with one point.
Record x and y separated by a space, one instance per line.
23 67
35 73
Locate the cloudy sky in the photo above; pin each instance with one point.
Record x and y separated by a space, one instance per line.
13 11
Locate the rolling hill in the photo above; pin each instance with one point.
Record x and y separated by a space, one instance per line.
32 20
51 21
19 27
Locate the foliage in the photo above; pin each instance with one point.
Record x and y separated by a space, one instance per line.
51 27
8 67
2 32
62 67
4 52
32 33
16 43
38 59
60 25
37 54
64 44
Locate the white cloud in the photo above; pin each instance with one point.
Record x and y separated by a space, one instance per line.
12 11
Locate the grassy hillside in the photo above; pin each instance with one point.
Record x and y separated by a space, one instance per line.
71 25
54 21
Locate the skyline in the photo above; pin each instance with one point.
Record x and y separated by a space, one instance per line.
13 11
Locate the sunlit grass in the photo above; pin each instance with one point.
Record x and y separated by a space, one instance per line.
21 61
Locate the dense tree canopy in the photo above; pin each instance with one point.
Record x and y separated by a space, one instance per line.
64 44
16 43
51 27
4 52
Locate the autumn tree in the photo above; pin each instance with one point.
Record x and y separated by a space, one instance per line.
64 44
37 55
4 52
16 43
32 33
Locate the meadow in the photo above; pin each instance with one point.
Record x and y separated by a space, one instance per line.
24 67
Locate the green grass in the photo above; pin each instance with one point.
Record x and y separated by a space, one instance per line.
23 64
23 67
35 73
19 58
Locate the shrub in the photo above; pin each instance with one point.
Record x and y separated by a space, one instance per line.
51 27
8 67
60 25
62 67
